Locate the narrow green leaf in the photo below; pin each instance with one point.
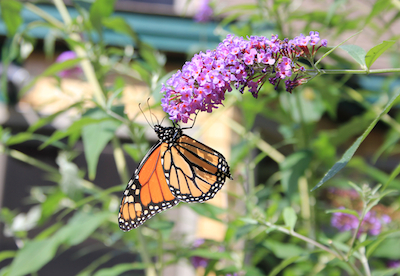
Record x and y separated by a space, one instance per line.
345 211
377 51
356 52
378 7
33 256
290 217
206 253
207 210
52 70
283 250
119 269
76 126
136 151
99 10
95 137
11 15
350 152
284 264
334 48
7 254
80 227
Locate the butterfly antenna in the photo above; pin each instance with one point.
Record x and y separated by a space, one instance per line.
145 117
151 113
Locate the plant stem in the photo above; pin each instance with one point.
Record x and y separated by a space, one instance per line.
344 258
299 236
81 53
302 121
29 160
120 161
357 72
353 239
150 270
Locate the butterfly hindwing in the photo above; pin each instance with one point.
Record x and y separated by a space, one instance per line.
194 171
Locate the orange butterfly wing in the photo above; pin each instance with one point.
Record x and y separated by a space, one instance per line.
147 192
194 171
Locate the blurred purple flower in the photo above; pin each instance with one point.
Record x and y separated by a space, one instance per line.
393 264
371 224
198 261
72 72
204 12
245 63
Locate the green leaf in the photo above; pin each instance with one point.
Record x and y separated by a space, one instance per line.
377 51
33 256
80 227
119 25
345 211
334 48
119 269
205 253
100 9
96 136
136 151
76 126
290 217
350 151
11 15
379 6
284 264
207 210
356 52
7 254
52 70
283 250
292 168
388 248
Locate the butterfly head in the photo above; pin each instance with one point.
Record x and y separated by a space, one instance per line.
167 134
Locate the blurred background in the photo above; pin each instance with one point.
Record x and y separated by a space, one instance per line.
278 146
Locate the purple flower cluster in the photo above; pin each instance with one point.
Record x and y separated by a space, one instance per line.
204 12
244 63
372 223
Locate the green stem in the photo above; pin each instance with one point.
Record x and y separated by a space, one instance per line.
353 239
120 161
299 236
344 258
86 65
29 160
150 270
302 121
356 72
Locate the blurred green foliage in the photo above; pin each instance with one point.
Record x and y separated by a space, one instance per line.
281 228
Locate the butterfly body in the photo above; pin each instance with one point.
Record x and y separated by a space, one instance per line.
178 168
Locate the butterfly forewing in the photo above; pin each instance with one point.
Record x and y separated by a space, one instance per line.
147 192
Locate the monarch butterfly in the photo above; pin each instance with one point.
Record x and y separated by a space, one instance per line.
178 168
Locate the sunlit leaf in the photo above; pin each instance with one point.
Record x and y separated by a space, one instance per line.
356 52
375 52
96 136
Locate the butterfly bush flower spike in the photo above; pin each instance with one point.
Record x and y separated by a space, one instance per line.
243 63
